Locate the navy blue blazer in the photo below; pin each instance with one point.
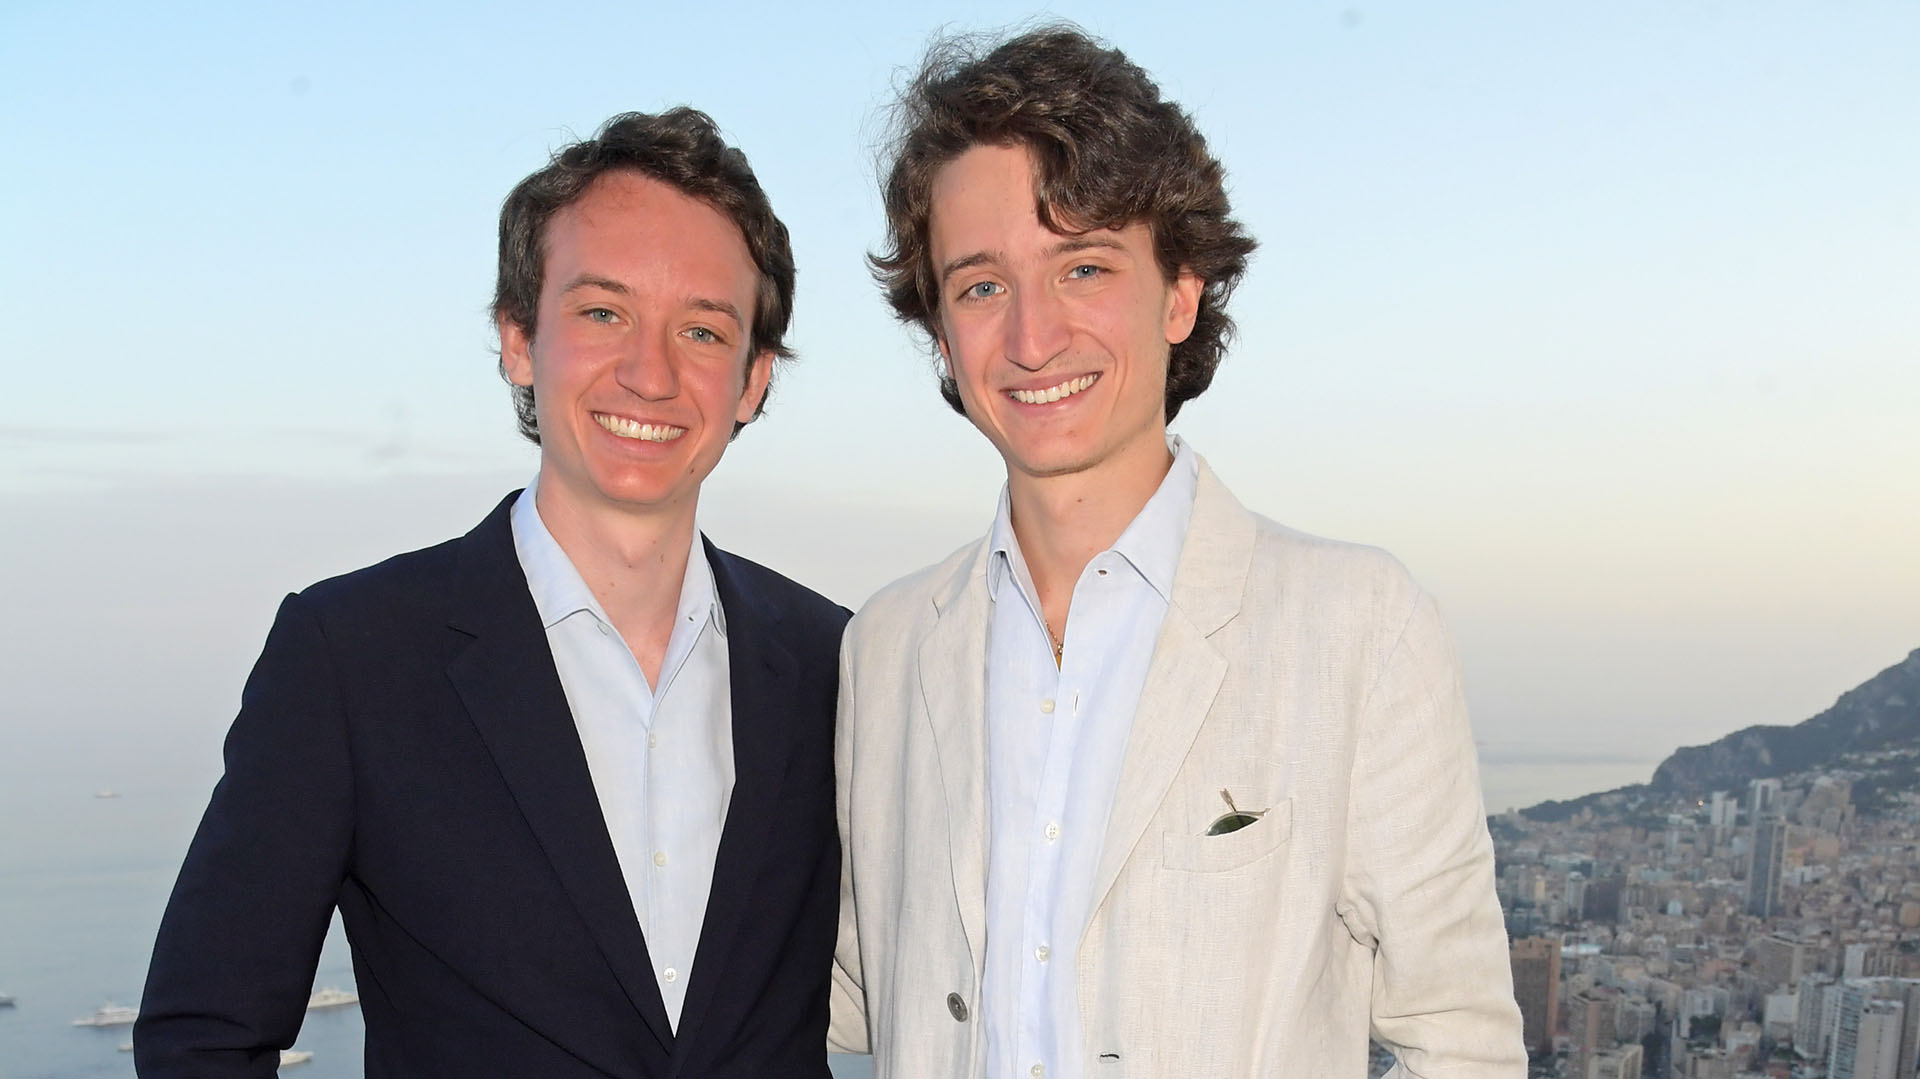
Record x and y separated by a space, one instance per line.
404 752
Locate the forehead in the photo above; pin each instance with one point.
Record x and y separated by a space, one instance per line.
986 187
984 205
628 224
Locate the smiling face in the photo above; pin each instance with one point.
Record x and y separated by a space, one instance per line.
639 358
1058 342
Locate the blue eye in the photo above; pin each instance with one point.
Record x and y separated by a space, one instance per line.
600 314
703 335
981 290
1084 272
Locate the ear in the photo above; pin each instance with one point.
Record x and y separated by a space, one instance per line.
946 355
759 373
1183 305
516 351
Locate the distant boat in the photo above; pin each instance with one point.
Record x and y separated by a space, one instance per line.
106 794
5 1001
290 1057
331 998
112 1015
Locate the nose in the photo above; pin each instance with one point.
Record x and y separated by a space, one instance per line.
647 366
1036 328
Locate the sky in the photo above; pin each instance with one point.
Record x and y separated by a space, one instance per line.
1601 316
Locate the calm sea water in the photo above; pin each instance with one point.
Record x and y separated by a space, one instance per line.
83 881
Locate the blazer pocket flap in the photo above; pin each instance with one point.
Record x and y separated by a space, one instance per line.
1219 853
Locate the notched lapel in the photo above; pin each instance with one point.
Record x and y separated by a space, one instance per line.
762 676
1186 671
953 666
1183 678
507 680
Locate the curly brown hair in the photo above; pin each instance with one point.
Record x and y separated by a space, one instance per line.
681 147
1108 152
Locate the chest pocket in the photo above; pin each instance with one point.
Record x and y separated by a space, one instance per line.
1194 852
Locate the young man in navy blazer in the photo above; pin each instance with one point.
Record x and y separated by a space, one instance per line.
567 778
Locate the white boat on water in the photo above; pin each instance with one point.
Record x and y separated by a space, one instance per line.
290 1057
5 1001
331 998
112 1015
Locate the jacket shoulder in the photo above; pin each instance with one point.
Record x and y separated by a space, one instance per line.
413 579
1333 574
913 597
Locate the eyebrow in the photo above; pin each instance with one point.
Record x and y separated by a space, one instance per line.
608 284
718 307
1067 246
587 280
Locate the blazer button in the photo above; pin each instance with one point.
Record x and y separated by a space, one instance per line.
957 1007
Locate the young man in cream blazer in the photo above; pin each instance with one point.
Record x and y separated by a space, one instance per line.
1141 784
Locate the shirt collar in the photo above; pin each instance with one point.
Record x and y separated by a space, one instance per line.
559 592
1150 543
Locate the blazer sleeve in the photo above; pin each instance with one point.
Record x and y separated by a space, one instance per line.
234 961
1420 879
847 1031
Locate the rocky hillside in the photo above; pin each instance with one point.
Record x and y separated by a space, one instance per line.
1884 711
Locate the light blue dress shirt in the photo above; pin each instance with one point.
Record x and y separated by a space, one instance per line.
661 758
1055 740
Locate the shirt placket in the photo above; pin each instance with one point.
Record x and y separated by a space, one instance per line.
671 839
1044 863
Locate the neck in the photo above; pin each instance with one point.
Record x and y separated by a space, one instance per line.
1062 521
632 562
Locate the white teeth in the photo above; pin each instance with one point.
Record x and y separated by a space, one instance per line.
645 432
1053 393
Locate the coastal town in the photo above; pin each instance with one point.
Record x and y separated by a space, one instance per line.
1770 930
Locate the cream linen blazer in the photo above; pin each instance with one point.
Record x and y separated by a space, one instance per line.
1313 681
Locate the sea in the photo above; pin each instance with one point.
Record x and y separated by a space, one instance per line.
85 871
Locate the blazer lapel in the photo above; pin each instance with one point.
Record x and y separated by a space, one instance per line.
953 666
507 680
761 676
1185 672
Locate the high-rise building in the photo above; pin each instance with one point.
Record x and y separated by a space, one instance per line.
1536 987
1763 881
1844 1052
1781 960
1907 990
1591 1022
1603 898
1574 895
1620 1062
1761 796
1866 1040
1811 1032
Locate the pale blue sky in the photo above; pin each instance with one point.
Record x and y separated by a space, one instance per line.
1601 316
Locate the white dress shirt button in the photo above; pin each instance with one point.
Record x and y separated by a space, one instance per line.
669 974
1047 706
660 857
604 631
653 741
1053 831
1042 953
1038 1071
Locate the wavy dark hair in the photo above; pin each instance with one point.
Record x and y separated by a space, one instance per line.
1108 152
681 147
